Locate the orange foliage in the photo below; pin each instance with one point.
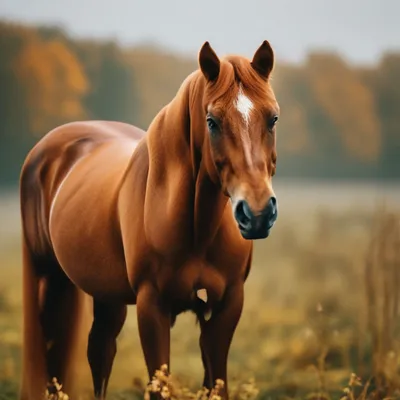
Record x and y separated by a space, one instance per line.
54 84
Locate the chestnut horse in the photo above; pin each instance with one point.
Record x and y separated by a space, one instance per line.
129 217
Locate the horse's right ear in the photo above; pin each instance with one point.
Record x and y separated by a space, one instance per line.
263 59
209 62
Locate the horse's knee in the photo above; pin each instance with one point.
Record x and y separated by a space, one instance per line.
108 321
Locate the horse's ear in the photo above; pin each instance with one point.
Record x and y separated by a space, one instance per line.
263 59
209 62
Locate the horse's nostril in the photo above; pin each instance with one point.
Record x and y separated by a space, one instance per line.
271 208
239 213
272 202
242 214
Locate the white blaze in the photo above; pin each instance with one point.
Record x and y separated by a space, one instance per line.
244 105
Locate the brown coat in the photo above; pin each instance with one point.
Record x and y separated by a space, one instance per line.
149 219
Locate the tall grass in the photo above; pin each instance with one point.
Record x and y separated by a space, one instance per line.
382 282
321 321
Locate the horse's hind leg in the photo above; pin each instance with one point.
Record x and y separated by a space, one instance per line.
108 320
50 316
59 318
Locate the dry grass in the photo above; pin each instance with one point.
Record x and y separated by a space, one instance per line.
320 320
54 391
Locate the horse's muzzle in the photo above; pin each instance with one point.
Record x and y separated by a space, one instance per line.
255 226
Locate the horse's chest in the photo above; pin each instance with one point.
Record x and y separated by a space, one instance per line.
197 275
205 277
195 289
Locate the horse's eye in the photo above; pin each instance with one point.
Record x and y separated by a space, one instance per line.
272 122
212 125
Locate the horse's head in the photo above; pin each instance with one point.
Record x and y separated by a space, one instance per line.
241 114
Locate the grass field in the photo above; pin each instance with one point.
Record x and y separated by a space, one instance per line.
321 303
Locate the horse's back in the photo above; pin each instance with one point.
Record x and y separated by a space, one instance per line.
71 135
55 156
71 141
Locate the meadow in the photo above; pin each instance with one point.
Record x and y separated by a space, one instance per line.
321 303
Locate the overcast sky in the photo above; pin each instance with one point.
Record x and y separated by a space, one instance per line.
359 29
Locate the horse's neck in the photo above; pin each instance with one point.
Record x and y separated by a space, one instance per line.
180 192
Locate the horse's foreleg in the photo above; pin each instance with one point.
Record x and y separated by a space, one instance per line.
154 323
216 336
108 320
207 381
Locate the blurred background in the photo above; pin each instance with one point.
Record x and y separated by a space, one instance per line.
322 297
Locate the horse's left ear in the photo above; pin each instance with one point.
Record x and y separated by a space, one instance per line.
263 59
209 62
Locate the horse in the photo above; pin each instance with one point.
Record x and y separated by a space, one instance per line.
149 219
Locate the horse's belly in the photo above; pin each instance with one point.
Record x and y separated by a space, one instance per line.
85 233
92 259
96 273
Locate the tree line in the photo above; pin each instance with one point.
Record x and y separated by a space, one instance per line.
337 120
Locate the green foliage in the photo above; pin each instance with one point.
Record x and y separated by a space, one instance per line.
112 94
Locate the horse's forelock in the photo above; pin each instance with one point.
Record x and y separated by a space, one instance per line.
223 85
255 85
237 70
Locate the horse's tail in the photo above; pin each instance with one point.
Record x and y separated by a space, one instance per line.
52 305
34 374
55 313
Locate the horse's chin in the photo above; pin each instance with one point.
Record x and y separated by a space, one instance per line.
255 235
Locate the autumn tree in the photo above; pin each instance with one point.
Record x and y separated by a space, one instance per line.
337 120
42 86
54 84
383 81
